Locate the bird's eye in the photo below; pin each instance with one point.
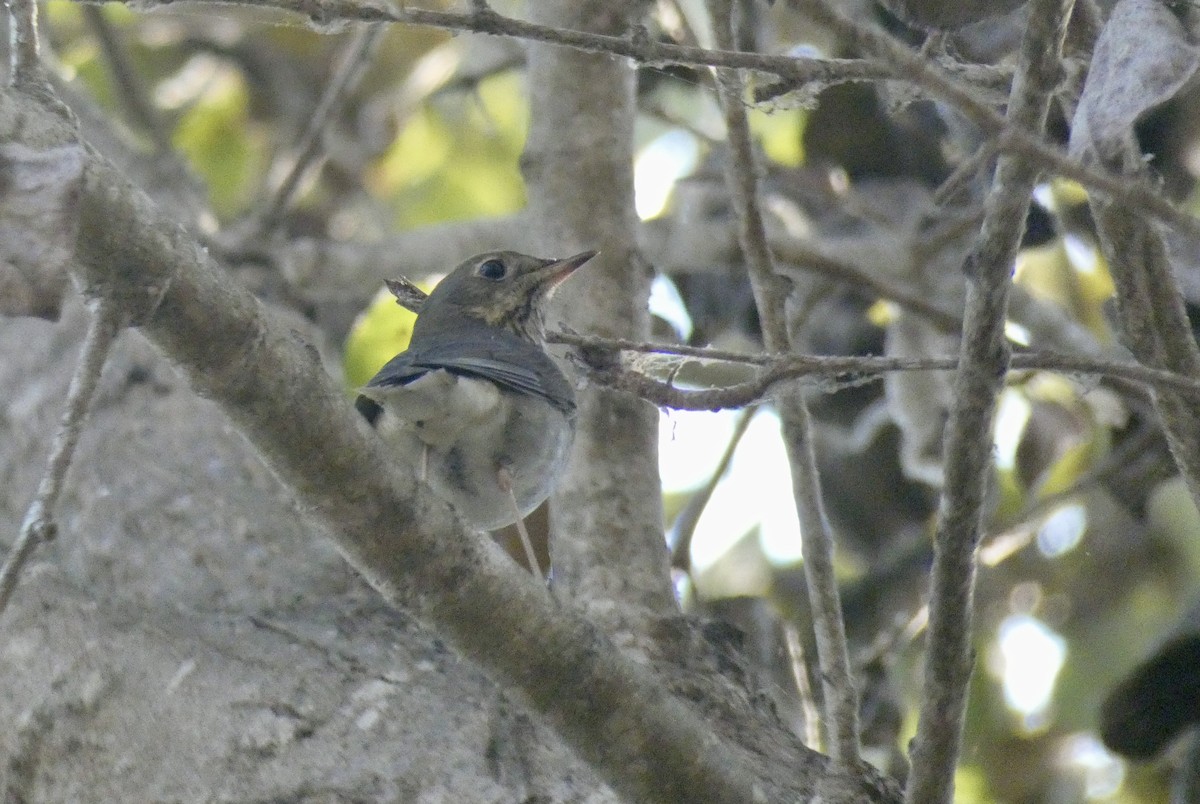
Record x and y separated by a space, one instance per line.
492 269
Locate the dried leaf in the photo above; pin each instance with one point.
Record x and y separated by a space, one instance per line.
408 295
1142 60
39 193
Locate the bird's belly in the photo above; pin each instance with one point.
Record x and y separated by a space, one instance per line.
464 451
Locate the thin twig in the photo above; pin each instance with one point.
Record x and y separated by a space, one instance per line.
770 291
602 345
645 50
349 73
987 80
680 536
39 525
832 371
130 89
983 365
799 667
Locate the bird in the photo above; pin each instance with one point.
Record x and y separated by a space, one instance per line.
475 403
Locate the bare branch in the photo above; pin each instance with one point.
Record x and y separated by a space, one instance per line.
983 364
770 293
856 369
39 525
349 73
641 49
130 89
828 372
25 63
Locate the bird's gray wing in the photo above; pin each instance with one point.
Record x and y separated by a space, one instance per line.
510 362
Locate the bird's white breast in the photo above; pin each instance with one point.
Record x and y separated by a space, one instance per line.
464 430
439 406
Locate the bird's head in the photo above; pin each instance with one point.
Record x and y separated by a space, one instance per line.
503 289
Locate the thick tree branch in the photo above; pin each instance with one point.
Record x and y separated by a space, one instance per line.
405 542
607 549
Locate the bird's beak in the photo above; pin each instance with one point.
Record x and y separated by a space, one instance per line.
557 271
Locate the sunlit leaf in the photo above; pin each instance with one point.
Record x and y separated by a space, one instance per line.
1011 497
1172 513
380 333
457 158
216 138
970 786
781 133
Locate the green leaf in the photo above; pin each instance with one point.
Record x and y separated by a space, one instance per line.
457 158
380 333
216 137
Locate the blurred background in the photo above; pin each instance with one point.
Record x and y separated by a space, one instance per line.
1091 559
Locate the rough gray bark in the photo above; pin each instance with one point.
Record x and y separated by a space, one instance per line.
608 550
186 630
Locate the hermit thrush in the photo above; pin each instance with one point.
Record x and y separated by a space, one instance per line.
475 403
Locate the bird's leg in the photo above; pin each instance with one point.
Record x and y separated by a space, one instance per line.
424 463
504 477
